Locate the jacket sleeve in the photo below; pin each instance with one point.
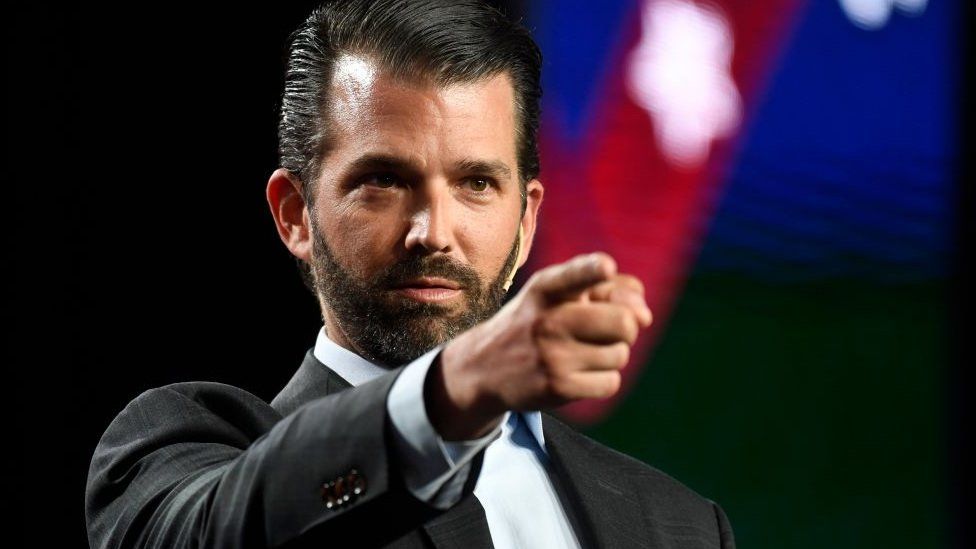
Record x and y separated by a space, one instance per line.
726 538
434 470
210 465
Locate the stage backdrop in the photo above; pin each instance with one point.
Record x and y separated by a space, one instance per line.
780 174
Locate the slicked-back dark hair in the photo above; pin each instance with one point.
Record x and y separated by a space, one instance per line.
441 41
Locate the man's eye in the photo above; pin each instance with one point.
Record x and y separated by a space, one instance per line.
479 184
382 180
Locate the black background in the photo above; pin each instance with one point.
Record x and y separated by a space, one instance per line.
143 140
139 141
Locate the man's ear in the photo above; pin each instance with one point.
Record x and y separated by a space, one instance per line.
533 200
290 213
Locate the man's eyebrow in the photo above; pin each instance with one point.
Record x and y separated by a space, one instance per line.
381 162
493 168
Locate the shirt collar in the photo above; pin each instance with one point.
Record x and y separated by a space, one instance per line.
357 370
533 420
350 366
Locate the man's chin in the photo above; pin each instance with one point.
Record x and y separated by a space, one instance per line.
395 333
410 339
437 329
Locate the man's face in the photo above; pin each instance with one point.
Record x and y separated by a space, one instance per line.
416 210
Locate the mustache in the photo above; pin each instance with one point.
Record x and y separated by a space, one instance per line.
415 266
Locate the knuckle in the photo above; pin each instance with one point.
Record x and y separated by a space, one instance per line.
632 327
547 356
625 324
602 291
612 384
559 385
538 386
603 386
622 352
601 257
547 326
553 358
633 282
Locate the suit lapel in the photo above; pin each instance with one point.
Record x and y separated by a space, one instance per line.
312 380
602 500
463 526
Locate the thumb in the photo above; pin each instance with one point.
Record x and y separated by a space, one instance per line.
566 281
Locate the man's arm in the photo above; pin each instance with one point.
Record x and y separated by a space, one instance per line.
209 465
726 538
433 469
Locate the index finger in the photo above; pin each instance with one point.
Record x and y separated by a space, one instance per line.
568 280
626 290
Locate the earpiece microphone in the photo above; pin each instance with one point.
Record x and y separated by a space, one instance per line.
518 250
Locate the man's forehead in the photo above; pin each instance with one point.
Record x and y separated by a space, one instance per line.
373 110
353 80
360 81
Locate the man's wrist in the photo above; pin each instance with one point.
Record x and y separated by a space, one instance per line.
454 407
433 470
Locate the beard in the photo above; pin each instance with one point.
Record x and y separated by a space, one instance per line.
389 329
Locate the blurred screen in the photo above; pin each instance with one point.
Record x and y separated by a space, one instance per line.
781 176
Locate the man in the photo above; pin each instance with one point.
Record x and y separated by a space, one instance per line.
408 192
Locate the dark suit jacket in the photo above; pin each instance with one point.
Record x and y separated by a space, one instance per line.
203 464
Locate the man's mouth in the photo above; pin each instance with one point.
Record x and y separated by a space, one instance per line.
429 289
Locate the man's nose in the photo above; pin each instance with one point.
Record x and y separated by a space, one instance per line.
431 224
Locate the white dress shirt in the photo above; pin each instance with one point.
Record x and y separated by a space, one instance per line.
521 506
